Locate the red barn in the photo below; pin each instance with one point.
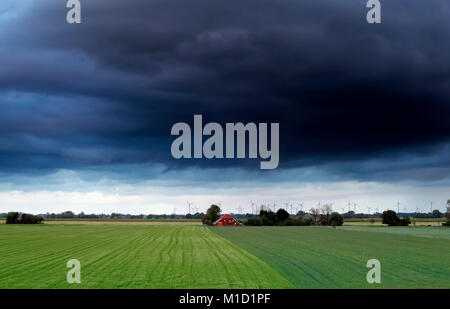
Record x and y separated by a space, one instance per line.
227 220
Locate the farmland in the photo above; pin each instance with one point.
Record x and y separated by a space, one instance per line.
170 255
420 231
318 257
378 222
121 256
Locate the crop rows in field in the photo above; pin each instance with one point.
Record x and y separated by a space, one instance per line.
128 257
318 257
183 256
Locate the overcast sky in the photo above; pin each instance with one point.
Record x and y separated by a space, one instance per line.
86 110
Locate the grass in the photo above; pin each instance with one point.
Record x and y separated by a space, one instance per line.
323 257
187 256
128 256
416 231
380 219
122 222
76 221
378 222
119 220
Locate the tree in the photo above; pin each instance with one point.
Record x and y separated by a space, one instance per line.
308 220
301 214
292 222
336 219
405 221
314 213
447 213
390 218
268 217
12 218
28 219
323 220
67 214
326 210
349 214
436 214
253 222
212 215
282 215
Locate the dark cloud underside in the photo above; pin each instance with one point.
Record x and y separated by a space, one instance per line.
107 91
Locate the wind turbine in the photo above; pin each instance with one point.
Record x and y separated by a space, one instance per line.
189 207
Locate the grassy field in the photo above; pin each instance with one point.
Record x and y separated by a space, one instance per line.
77 221
120 256
123 222
378 222
186 256
379 219
318 257
419 231
119 220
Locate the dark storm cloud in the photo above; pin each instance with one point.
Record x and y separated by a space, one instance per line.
107 91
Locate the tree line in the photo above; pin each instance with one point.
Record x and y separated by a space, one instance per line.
16 218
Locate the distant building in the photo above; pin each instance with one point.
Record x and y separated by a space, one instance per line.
227 220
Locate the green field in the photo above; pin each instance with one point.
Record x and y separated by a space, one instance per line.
120 220
419 231
318 257
185 256
379 219
128 257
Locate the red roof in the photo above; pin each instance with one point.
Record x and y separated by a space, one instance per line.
227 220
